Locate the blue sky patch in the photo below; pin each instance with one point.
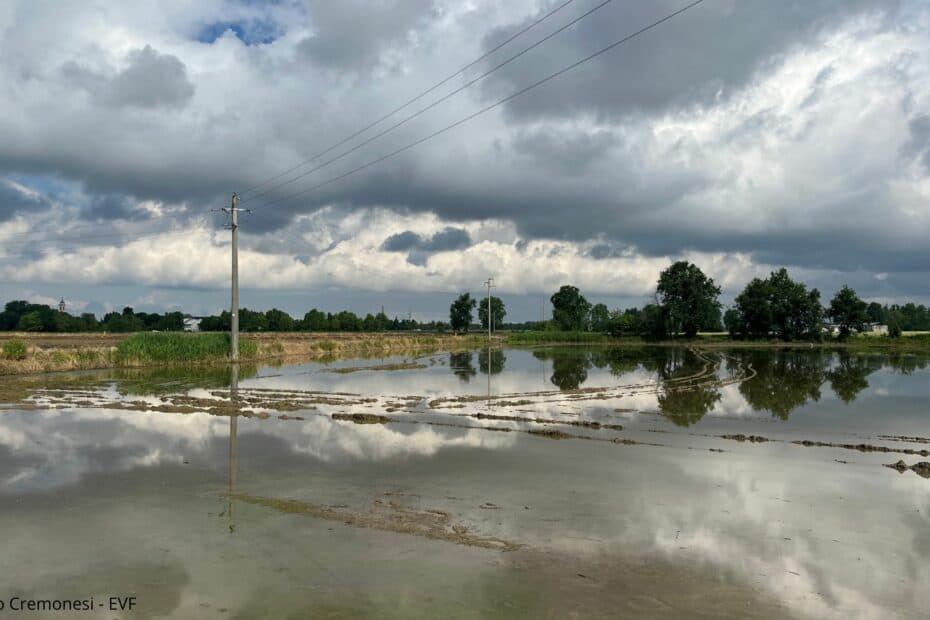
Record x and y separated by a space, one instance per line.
250 32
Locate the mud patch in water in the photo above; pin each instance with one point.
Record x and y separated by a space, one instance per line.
391 517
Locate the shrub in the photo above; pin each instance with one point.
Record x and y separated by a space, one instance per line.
894 329
14 350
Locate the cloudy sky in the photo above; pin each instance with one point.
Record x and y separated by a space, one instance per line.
742 135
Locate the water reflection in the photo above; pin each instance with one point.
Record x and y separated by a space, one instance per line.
689 385
784 381
166 380
831 540
569 367
568 373
619 361
787 380
233 446
779 383
461 365
492 360
905 364
849 377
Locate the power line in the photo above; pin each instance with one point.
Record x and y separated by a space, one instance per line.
429 107
490 107
414 99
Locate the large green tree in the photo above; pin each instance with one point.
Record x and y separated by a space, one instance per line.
876 312
752 310
460 312
570 310
796 312
498 312
777 305
314 321
600 318
848 311
688 297
653 322
624 323
279 321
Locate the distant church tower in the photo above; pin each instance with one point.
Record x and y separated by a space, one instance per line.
61 305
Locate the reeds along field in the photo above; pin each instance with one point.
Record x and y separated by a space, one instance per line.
20 356
168 348
35 353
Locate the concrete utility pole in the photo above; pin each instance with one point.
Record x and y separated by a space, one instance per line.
233 212
489 283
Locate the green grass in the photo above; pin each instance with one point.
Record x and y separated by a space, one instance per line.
918 341
14 350
546 337
176 347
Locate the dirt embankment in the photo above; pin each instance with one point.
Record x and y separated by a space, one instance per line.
61 352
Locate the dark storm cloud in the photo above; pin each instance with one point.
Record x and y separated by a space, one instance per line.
448 239
113 207
563 151
445 240
14 201
687 138
605 250
714 47
150 80
402 242
351 34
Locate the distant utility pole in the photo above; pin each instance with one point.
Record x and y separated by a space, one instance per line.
489 283
233 212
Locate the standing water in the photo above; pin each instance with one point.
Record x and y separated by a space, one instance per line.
552 482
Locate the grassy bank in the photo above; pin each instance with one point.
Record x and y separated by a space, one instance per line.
531 338
24 356
908 342
35 353
332 345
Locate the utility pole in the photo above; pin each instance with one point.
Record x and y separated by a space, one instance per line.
489 283
233 212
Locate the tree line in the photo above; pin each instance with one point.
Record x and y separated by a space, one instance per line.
314 320
686 302
28 317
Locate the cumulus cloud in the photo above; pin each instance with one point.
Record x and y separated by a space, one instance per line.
353 35
149 80
748 135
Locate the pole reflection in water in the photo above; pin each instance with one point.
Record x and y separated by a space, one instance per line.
233 444
489 360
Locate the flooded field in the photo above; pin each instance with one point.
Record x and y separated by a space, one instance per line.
537 483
